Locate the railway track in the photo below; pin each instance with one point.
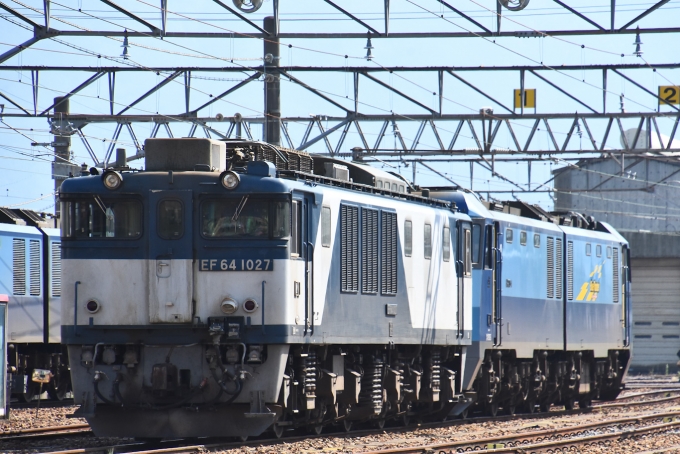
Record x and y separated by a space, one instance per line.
172 446
45 403
537 441
523 442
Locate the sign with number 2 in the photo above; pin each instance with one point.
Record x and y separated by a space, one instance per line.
669 94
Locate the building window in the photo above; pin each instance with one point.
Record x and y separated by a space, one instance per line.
523 238
598 250
537 240
609 252
588 249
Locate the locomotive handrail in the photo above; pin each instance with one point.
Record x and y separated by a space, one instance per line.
263 283
75 310
310 295
461 294
497 296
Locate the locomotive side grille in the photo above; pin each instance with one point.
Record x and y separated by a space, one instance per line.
349 244
551 268
19 266
558 268
570 270
56 269
34 248
388 256
615 277
369 250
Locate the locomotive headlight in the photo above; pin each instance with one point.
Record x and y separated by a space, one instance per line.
229 306
229 179
250 305
112 179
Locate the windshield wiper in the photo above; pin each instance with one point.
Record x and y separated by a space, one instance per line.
100 203
239 208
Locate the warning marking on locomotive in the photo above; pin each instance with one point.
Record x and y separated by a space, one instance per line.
236 265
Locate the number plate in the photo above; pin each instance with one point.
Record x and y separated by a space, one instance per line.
236 265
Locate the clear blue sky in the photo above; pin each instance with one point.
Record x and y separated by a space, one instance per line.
25 171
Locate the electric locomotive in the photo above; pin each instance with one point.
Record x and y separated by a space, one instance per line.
234 286
551 306
31 277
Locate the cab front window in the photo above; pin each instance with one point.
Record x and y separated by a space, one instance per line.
102 218
245 218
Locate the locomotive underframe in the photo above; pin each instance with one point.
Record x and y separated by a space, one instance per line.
550 377
23 359
234 389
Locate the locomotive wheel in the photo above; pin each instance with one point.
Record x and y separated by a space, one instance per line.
405 419
243 438
316 430
530 406
570 404
58 388
379 423
278 430
585 402
492 409
510 409
346 425
464 413
31 391
545 407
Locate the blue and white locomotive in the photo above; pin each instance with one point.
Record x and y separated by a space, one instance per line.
30 276
551 306
234 286
280 292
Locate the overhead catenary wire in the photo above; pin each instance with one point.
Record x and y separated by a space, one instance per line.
375 106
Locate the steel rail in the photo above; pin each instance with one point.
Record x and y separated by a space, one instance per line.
523 436
45 432
357 433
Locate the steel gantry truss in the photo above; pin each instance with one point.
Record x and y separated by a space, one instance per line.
438 133
333 130
248 28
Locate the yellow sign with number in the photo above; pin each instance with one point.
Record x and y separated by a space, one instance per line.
669 94
529 98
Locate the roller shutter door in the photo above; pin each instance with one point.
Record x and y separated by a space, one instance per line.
656 312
